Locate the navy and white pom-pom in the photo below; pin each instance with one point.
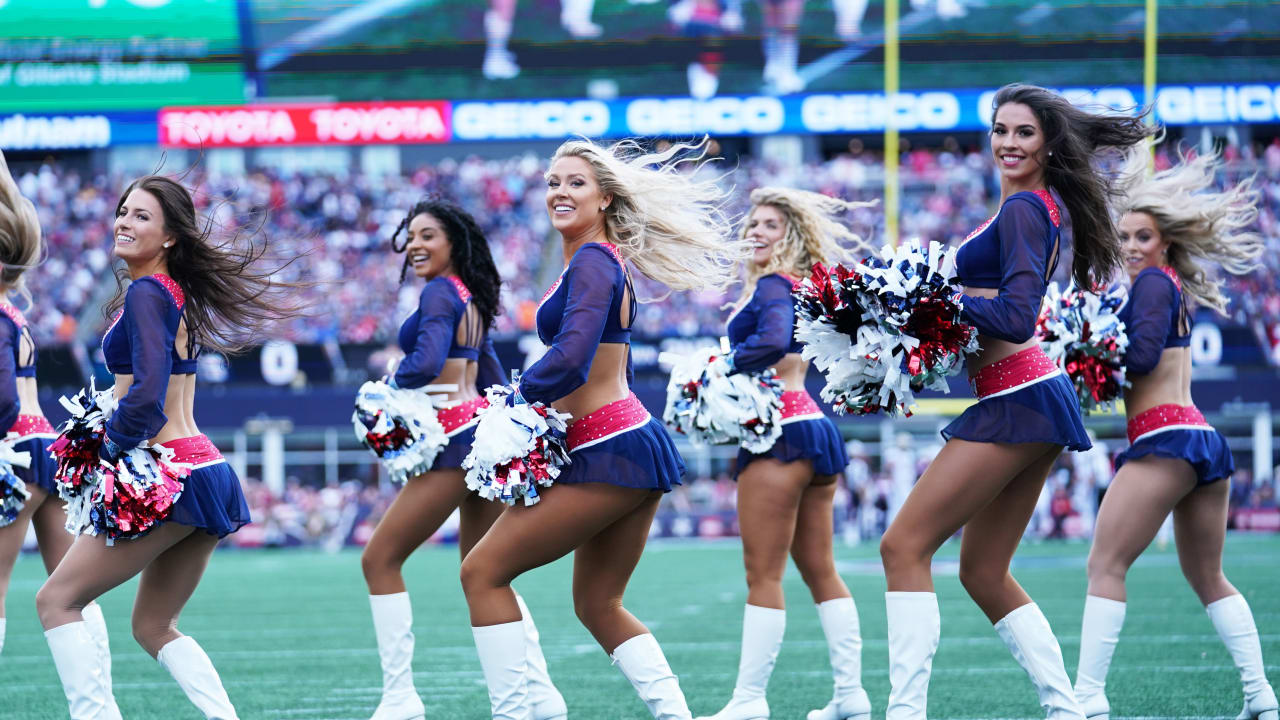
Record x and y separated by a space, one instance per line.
13 491
518 448
400 427
121 501
886 329
711 407
1082 332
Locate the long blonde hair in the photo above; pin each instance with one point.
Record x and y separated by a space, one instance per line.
814 233
671 226
1199 226
19 234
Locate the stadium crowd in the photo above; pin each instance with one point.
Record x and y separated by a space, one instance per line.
339 226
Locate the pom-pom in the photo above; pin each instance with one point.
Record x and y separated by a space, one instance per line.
884 330
518 448
121 501
400 427
1082 333
13 491
711 407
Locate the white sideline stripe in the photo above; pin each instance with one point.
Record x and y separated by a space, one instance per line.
1167 428
1056 372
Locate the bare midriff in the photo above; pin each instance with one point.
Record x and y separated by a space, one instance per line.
791 370
1168 384
28 393
991 349
460 373
606 382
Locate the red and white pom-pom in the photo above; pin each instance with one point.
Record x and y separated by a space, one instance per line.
885 329
400 427
518 448
121 501
712 407
1082 333
13 491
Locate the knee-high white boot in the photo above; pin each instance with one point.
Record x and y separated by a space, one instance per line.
187 662
75 655
2 624
97 627
914 629
504 660
393 626
642 662
547 702
1099 633
762 630
1234 622
849 701
1028 636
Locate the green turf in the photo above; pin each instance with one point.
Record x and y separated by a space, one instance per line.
290 633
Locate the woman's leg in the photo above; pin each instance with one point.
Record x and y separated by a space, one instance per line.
420 508
964 478
1140 497
477 515
1200 524
11 537
811 549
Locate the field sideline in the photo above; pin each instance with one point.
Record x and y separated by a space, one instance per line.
291 636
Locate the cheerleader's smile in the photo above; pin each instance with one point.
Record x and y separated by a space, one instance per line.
428 251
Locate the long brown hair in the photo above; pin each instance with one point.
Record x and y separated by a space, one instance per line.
1073 138
231 296
20 244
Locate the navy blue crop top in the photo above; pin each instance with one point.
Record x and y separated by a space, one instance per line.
429 337
762 331
1015 252
1155 318
581 310
142 342
13 328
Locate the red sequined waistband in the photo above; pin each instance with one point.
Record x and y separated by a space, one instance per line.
28 425
195 450
1166 417
461 416
1015 372
613 419
799 405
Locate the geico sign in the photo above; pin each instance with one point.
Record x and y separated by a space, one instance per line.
341 123
754 115
532 119
856 112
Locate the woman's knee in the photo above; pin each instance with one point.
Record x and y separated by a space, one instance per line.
595 611
901 550
478 574
1105 567
376 561
54 599
982 579
1207 581
153 633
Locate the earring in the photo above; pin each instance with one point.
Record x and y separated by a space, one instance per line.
168 244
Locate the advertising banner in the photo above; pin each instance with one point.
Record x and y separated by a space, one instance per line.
398 123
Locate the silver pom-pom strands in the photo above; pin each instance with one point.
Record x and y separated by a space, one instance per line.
884 330
711 407
1083 334
519 447
400 427
13 491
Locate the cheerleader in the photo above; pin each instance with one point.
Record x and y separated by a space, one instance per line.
1176 462
988 475
612 207
445 342
187 291
785 494
20 412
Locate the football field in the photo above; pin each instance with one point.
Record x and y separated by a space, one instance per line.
291 635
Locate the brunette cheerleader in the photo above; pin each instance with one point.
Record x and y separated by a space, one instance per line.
1176 462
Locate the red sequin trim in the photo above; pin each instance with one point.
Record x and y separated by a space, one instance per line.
194 450
1166 417
459 416
1021 368
798 402
27 425
463 292
14 314
1054 214
179 298
1172 275
613 419
617 254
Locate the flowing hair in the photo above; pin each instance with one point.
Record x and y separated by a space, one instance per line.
20 244
671 226
231 297
1200 225
468 250
1073 139
814 233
